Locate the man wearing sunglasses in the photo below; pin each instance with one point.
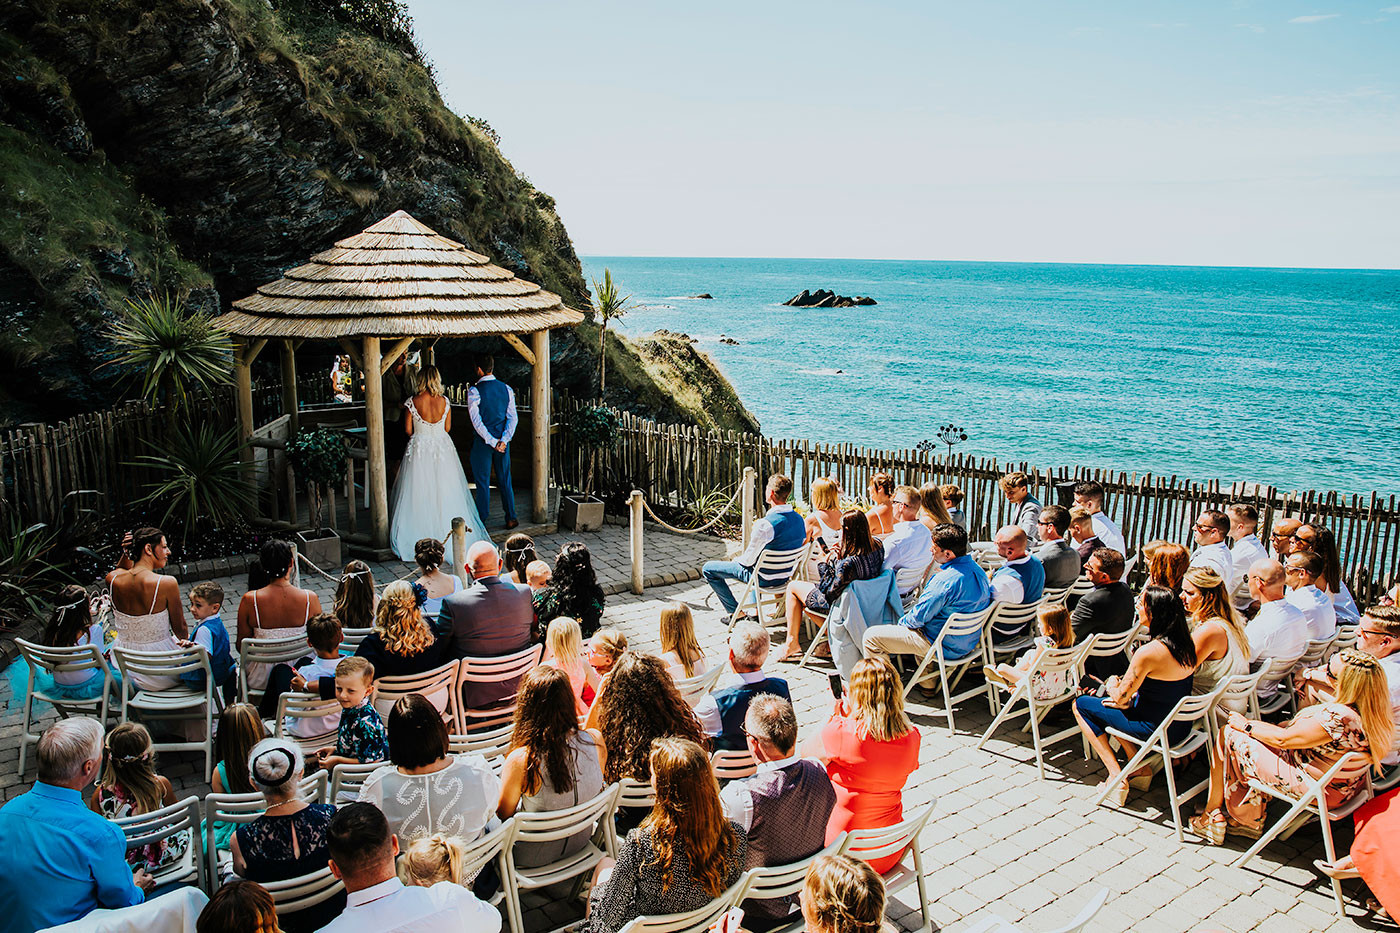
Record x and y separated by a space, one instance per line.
1378 636
1212 552
1281 539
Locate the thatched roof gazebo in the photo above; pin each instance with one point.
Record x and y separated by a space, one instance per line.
399 281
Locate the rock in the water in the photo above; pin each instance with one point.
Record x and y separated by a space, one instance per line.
822 298
705 295
729 341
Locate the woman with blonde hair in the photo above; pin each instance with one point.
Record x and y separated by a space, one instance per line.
685 853
1286 756
1167 563
355 597
824 521
843 895
1222 647
680 649
402 641
430 859
564 644
870 748
933 511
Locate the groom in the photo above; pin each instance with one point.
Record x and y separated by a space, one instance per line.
491 404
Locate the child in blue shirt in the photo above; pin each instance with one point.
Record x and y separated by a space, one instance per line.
206 603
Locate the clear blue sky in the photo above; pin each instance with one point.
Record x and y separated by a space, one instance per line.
1252 132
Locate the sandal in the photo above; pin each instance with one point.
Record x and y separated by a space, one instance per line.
1332 871
1209 826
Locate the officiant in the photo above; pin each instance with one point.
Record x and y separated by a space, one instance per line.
491 404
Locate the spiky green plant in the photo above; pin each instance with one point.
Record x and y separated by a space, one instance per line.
607 305
179 351
198 478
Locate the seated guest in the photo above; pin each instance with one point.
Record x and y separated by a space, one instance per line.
1217 631
1292 755
784 807
206 606
685 853
1244 523
1301 573
881 514
61 861
933 510
1159 677
721 714
1020 581
310 674
824 521
870 748
402 642
781 529
564 642
1283 540
428 554
1212 550
1055 632
961 586
680 649
355 595
1081 532
950 498
487 619
640 704
538 575
362 852
130 786
604 648
552 763
1279 629
429 859
857 556
361 737
1379 636
516 558
1025 508
910 545
1060 560
426 790
1105 610
1319 539
278 609
1167 563
240 728
574 593
1089 496
239 907
843 895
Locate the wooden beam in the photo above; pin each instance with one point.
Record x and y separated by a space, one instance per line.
290 405
374 437
520 347
243 391
539 428
353 351
251 349
392 354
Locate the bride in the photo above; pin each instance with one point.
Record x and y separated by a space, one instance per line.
431 488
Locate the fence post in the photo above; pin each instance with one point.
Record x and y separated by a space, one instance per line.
747 500
459 550
634 503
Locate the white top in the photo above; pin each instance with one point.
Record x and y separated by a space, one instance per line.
1109 533
1006 584
474 410
459 800
909 545
760 535
1278 631
707 710
393 907
302 727
832 536
1391 665
1215 557
677 670
1317 608
1246 552
93 636
736 799
1347 613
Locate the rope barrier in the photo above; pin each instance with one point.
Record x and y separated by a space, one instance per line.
692 531
412 572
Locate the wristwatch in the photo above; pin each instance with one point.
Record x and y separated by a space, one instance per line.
1249 728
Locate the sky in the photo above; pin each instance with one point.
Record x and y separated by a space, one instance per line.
1237 132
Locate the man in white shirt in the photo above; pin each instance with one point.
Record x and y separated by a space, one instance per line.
1301 574
1248 549
780 527
1025 508
362 852
1212 552
1088 495
910 545
1279 630
1379 636
1281 539
721 712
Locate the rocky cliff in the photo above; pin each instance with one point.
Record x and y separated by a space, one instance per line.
204 146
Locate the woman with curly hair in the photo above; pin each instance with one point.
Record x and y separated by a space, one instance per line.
402 641
843 895
641 704
685 853
429 554
575 591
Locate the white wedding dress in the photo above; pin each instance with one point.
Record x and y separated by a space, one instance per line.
431 489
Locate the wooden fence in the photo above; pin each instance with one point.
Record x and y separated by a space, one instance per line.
681 464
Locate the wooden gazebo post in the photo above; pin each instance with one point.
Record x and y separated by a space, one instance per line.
539 427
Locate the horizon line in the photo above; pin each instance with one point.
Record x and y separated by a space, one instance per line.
1008 262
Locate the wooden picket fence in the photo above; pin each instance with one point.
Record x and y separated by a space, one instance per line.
681 464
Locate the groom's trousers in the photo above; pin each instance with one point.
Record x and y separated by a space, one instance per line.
484 460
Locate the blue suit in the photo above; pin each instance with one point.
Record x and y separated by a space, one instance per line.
491 404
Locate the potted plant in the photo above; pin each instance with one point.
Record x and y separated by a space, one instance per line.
318 456
594 430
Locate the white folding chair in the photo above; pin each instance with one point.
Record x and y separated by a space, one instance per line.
691 921
1128 566
1054 594
493 846
1236 693
1345 638
346 781
771 565
71 660
694 689
1195 710
159 826
1106 646
989 561
1353 766
308 708
503 669
303 891
1318 651
492 745
771 882
903 838
1276 674
350 639
174 703
266 651
1048 662
244 808
1079 589
636 795
1012 629
552 827
994 923
733 764
435 686
958 625
915 577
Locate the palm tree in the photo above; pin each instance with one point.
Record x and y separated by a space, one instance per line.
607 305
180 351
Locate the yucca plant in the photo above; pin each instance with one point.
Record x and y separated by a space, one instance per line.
608 305
27 571
180 351
198 478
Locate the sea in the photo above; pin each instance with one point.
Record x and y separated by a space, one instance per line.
1283 377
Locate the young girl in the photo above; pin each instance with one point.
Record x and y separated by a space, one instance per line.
605 648
130 786
240 728
564 641
71 624
430 859
355 597
1055 632
679 647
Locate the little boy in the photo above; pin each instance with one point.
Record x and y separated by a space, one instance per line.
361 736
537 574
324 636
210 633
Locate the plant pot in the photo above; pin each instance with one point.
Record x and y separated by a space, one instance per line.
322 548
581 513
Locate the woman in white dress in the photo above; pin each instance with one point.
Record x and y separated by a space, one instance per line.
146 609
432 487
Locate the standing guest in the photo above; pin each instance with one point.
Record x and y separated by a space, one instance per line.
361 737
1107 609
721 714
1212 550
680 649
1060 560
951 496
487 619
843 895
1244 523
784 807
575 591
1320 540
870 748
278 610
428 554
1025 508
685 853
564 644
1081 530
146 608
210 633
1301 573
239 907
61 861
362 851
1279 629
355 596
780 529
639 705
824 521
933 510
881 514
491 405
130 786
516 557
402 642
1167 563
857 556
1089 495
1217 630
425 789
394 394
1282 539
70 624
910 545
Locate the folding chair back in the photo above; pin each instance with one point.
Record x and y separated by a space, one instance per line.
303 891
346 780
1080 588
244 808
1275 674
307 708
1317 650
268 651
1106 646
1011 627
772 566
497 670
435 686
957 625
174 703
871 844
489 745
910 582
636 795
785 880
1346 637
585 817
72 660
691 921
1237 693
1055 594
350 639
694 689
159 826
733 764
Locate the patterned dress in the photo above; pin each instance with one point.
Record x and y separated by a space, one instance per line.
116 803
362 735
1046 686
833 576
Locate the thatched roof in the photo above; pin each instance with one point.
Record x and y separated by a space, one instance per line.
397 279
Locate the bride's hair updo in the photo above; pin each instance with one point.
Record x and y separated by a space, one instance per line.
430 380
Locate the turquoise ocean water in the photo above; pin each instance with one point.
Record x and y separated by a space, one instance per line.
1288 377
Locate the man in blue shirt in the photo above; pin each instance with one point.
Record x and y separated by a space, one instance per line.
59 861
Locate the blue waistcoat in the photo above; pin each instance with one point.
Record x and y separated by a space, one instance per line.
1032 574
494 396
733 703
789 531
220 659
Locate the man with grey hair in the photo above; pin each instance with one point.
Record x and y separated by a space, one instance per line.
60 860
488 619
721 714
783 808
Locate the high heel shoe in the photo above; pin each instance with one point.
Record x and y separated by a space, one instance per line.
1209 826
1332 871
1141 781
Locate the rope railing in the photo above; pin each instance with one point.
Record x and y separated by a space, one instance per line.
638 507
456 538
724 510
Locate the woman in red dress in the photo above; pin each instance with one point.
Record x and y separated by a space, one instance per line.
870 748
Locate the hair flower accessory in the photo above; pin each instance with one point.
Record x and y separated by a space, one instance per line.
420 595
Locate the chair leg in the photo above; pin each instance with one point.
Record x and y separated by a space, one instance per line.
1272 832
1172 800
24 733
923 892
1331 850
997 721
947 699
1128 768
1035 733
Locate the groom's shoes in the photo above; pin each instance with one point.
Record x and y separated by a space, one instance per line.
512 524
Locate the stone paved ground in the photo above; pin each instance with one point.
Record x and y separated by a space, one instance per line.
1000 839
